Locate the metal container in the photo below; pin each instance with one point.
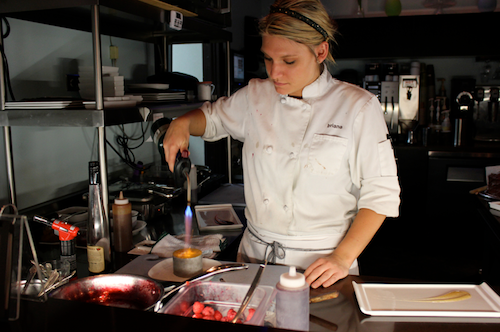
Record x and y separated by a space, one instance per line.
115 290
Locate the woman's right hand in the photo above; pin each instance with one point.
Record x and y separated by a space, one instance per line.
176 139
177 136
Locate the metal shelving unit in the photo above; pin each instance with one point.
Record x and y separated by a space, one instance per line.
142 20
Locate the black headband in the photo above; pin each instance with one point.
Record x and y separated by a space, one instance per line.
301 17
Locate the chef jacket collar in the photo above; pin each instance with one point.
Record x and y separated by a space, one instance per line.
318 87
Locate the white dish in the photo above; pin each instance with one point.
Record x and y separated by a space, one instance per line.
495 205
90 105
138 226
206 215
155 86
42 104
164 270
403 300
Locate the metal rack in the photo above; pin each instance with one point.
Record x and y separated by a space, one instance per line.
142 20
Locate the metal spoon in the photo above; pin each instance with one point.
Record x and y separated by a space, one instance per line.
52 279
207 274
30 277
58 283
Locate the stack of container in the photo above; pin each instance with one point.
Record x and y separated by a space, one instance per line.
112 84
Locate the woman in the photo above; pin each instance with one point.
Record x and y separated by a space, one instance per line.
319 170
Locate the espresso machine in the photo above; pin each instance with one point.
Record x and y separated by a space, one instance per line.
486 114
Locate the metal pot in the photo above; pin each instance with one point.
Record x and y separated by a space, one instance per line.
115 290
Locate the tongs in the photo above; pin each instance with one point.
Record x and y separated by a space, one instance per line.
250 292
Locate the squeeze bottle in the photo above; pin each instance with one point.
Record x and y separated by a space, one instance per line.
122 224
292 301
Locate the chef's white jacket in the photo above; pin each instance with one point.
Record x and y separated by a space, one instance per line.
309 164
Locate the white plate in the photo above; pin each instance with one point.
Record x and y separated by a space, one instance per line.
42 104
90 105
205 216
155 86
401 300
495 205
164 270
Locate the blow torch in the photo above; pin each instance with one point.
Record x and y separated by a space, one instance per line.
67 235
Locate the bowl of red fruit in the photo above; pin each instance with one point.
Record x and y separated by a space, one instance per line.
220 301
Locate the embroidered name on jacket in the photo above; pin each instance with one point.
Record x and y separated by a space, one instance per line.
333 125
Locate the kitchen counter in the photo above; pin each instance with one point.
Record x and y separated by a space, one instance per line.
339 314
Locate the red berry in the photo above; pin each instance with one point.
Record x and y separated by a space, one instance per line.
198 307
209 317
208 311
231 314
183 307
217 315
251 311
197 316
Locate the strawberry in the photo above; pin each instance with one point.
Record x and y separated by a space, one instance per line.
251 311
198 307
208 311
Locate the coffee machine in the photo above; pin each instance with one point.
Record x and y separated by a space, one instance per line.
486 113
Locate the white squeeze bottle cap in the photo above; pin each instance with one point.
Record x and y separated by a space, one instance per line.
121 200
292 279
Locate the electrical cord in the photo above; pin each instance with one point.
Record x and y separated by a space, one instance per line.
4 58
123 142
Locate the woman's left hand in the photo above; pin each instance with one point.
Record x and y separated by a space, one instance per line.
326 271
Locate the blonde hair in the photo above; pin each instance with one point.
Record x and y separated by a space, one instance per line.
283 25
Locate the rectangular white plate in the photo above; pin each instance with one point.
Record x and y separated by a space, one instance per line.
402 300
205 216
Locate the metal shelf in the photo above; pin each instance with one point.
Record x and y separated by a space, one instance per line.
91 118
131 19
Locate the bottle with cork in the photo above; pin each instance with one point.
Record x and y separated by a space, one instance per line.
122 224
292 301
98 239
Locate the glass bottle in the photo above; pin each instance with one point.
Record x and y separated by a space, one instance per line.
98 239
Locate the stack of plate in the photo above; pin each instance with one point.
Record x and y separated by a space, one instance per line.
42 104
156 92
112 84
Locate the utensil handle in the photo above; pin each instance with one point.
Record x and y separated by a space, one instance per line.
250 292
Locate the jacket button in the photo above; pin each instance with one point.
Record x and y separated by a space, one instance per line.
269 149
285 208
266 201
292 155
283 100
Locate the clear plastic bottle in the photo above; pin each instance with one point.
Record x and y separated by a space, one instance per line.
292 301
98 241
122 224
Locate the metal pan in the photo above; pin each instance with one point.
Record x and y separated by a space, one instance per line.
115 290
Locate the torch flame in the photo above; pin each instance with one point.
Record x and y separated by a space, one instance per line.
188 217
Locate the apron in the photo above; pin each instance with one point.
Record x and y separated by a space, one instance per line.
298 251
